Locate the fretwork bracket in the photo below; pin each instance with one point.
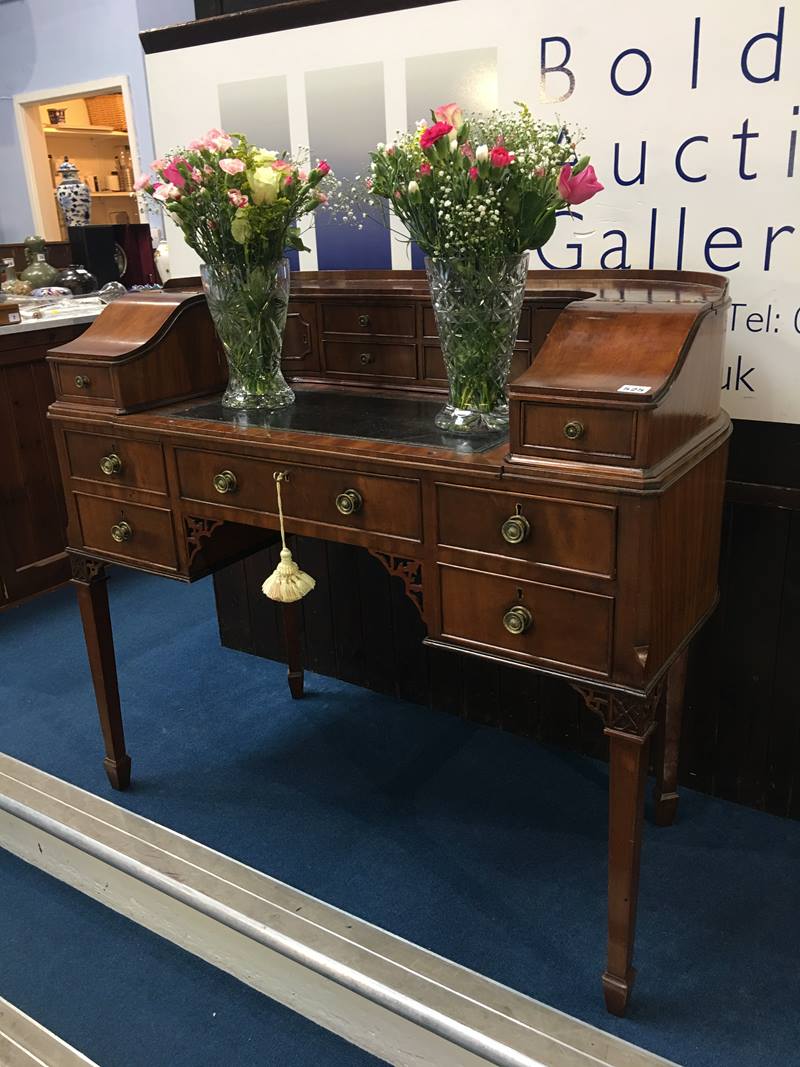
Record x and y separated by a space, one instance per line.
409 570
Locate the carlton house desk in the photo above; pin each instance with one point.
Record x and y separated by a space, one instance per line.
584 544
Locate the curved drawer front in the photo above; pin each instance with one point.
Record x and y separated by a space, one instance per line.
568 628
142 533
381 505
568 534
111 461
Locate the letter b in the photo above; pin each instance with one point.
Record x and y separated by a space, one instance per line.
561 67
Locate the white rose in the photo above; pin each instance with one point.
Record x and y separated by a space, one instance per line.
482 153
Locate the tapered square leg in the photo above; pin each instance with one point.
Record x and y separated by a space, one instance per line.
665 791
294 648
89 579
627 776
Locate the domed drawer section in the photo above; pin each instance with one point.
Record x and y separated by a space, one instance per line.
111 461
127 531
563 628
571 535
578 431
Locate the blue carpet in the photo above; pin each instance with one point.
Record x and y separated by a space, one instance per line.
479 845
127 998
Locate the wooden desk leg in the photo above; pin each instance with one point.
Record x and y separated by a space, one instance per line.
89 579
627 776
294 648
665 792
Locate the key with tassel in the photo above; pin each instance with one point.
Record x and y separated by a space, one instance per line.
287 582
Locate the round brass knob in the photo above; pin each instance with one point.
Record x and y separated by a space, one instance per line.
516 529
111 464
517 619
349 502
82 381
363 320
122 531
574 429
367 357
225 482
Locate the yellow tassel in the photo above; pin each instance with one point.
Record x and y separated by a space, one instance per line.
287 582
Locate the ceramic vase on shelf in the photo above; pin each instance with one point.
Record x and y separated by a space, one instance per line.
38 271
249 313
73 196
477 307
77 279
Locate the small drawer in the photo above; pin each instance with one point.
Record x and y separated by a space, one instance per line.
563 627
128 531
319 495
371 320
592 431
99 458
84 381
374 361
568 534
429 324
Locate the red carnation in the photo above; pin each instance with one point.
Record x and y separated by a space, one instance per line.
500 156
473 174
424 169
431 134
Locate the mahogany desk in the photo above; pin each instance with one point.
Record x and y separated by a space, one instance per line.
585 545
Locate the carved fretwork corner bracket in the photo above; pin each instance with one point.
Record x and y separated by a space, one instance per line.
85 569
622 712
197 531
409 570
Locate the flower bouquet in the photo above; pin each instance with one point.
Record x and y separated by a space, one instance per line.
238 206
476 193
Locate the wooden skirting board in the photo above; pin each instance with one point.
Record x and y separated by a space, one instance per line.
26 1043
396 1000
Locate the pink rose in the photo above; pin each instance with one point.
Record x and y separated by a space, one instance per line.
303 176
474 174
425 169
196 175
231 166
282 165
450 113
172 174
237 198
167 191
322 198
141 182
196 146
217 140
431 134
323 167
578 188
391 150
159 164
207 169
467 150
500 156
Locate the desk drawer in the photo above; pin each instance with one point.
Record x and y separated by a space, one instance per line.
81 381
145 533
569 534
99 458
381 505
579 429
371 320
568 628
363 358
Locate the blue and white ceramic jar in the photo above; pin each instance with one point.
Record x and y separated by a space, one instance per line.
73 196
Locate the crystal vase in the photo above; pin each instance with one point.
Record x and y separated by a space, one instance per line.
248 309
477 307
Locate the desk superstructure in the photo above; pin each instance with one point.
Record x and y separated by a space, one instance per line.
584 545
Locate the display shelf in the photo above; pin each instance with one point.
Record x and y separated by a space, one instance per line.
94 131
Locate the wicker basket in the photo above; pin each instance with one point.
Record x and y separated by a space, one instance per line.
107 109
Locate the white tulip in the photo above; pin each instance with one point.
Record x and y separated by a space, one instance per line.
413 188
482 153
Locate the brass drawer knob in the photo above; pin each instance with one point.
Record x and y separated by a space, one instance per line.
122 531
363 320
367 357
574 429
82 381
225 482
111 464
349 502
517 619
516 529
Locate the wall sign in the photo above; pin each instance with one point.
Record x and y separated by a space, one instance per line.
691 114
